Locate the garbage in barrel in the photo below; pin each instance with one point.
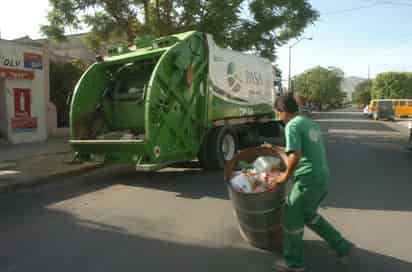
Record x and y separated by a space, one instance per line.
258 214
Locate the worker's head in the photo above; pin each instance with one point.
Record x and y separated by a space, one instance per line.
286 107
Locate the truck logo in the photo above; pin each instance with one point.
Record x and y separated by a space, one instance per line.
233 78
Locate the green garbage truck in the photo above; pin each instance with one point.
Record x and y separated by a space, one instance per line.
172 99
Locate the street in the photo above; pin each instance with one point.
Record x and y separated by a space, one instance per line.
180 219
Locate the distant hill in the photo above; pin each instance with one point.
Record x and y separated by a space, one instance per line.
349 84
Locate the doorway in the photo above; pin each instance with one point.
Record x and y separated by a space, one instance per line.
3 110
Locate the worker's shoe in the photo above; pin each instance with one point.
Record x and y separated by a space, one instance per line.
345 258
281 266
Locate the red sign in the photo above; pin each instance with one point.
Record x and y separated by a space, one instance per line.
24 123
16 74
22 105
22 110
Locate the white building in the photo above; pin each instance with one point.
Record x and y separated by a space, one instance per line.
26 114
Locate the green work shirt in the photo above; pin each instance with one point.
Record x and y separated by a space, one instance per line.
304 136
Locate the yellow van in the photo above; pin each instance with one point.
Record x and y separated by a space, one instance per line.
402 107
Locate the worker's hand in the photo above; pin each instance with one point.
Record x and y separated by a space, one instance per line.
266 145
282 178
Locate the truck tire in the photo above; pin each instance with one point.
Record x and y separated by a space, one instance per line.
220 146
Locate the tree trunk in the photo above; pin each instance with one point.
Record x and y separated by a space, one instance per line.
146 12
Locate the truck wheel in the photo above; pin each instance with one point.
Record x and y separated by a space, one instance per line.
221 146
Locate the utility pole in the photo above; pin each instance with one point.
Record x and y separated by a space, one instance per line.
290 57
369 73
369 79
290 60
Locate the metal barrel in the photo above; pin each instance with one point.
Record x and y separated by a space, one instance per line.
258 214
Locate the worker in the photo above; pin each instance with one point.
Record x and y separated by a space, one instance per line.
307 166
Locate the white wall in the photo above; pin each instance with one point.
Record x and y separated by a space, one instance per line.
39 89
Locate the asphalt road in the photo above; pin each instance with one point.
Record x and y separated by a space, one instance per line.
180 219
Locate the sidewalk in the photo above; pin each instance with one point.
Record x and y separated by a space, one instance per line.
31 164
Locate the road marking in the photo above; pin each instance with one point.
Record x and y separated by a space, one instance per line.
346 120
362 132
338 112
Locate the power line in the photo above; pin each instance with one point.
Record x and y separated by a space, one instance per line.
351 9
392 2
374 4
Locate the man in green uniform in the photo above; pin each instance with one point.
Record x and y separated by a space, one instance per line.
307 164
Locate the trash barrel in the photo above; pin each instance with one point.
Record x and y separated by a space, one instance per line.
258 214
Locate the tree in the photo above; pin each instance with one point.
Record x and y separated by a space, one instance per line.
246 25
277 75
392 85
321 85
63 78
362 93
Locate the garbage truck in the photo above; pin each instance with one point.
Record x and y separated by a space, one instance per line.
172 99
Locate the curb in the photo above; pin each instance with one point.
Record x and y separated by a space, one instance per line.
7 165
36 156
38 181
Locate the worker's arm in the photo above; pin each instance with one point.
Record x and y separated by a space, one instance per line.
292 161
276 147
293 151
280 148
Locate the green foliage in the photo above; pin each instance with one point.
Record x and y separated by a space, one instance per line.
321 85
256 25
63 78
277 75
362 93
392 85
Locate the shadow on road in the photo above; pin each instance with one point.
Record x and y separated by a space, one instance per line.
74 244
188 180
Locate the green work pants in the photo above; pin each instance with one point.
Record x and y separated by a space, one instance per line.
300 209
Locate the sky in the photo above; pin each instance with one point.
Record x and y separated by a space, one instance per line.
352 35
354 38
